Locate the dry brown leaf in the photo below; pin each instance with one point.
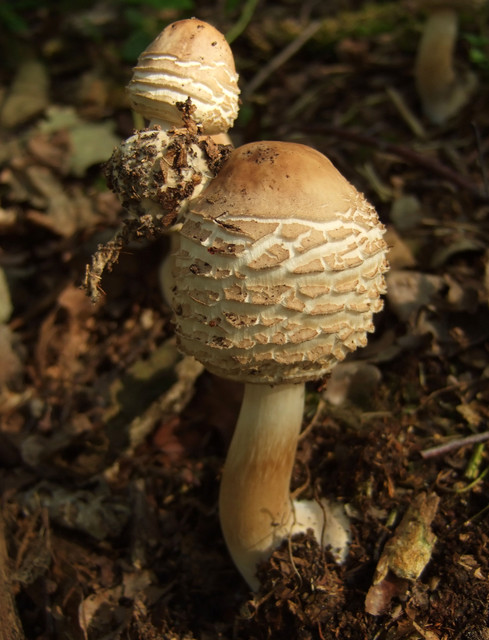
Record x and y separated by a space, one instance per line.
61 345
400 254
352 381
408 291
66 211
12 366
28 95
94 511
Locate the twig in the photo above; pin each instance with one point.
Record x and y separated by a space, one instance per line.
408 116
411 156
281 58
459 386
448 447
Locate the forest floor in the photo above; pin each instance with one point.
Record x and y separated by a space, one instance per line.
112 444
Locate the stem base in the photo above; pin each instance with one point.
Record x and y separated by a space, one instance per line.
328 522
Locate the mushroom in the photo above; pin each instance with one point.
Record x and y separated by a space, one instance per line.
185 77
189 59
443 91
278 273
185 83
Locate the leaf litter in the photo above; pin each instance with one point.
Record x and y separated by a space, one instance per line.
112 444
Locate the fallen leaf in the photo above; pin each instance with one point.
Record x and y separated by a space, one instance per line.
400 255
12 366
379 596
67 211
61 345
94 511
28 95
352 381
461 245
408 291
91 143
98 612
406 212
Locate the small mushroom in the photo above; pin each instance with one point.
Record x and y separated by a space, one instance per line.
278 273
443 91
189 59
185 83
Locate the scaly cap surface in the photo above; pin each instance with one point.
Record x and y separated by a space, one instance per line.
280 267
190 58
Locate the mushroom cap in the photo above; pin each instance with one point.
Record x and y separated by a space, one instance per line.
279 269
157 171
189 58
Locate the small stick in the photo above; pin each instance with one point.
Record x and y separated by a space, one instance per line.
407 115
442 449
281 58
407 154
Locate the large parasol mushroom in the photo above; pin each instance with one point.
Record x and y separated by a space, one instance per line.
278 274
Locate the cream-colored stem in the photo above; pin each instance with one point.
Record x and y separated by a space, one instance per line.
255 505
434 65
442 94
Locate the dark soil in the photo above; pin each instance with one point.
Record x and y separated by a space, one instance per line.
112 444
